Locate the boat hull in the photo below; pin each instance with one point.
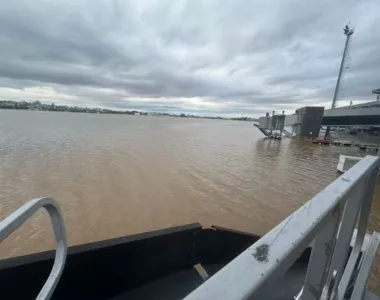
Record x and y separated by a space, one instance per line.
127 265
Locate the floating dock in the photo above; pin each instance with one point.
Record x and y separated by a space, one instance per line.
334 142
345 143
369 147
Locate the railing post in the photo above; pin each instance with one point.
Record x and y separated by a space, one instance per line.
345 233
346 229
362 226
366 266
320 259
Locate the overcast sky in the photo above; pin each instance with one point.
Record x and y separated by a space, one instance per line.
208 57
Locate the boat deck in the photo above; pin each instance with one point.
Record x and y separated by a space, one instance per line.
178 286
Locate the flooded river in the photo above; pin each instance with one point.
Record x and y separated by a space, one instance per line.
115 175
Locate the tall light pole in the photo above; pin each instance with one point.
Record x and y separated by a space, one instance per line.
348 32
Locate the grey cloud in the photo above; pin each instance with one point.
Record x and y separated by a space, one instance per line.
252 54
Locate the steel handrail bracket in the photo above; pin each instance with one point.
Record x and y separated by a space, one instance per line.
327 222
17 218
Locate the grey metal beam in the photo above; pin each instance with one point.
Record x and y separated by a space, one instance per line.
353 120
345 112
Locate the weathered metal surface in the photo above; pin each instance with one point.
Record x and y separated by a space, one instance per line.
16 219
270 257
365 268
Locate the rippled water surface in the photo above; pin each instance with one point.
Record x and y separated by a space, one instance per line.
115 175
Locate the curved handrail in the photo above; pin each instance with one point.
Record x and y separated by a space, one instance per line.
17 218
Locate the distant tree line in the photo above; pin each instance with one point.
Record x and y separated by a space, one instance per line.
37 105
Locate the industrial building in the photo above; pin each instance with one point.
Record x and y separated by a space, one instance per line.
359 114
305 122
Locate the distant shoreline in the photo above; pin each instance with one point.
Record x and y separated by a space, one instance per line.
38 106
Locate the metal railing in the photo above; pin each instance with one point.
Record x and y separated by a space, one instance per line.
328 221
17 218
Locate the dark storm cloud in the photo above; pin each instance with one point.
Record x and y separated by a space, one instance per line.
223 57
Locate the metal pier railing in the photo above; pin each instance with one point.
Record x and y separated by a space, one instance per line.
327 222
16 219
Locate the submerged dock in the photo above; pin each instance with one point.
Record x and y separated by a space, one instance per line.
346 143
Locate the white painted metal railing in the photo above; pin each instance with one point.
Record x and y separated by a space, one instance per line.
16 219
328 221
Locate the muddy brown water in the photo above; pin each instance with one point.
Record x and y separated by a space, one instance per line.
116 175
